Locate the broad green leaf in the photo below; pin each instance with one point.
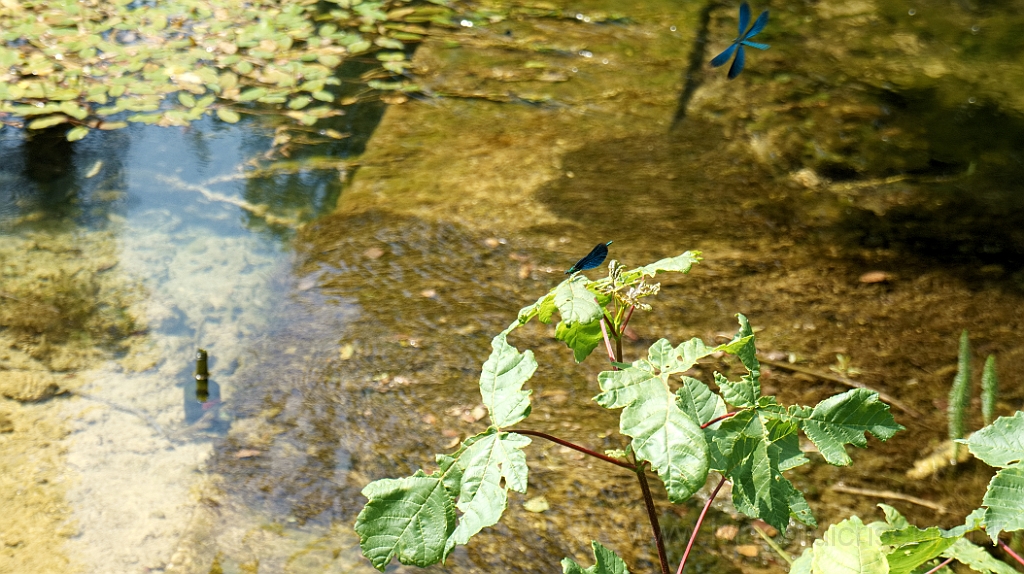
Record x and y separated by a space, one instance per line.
974 521
893 517
679 264
76 133
849 547
543 309
844 419
228 115
1000 444
750 450
699 403
606 562
582 338
187 99
975 556
747 351
576 304
491 464
743 394
501 381
662 433
802 565
410 518
909 546
1004 501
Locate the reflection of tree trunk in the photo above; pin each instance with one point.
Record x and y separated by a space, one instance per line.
48 154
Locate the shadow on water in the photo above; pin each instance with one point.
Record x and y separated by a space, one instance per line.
977 214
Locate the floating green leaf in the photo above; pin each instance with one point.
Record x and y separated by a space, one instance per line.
47 122
299 102
76 133
228 115
252 94
323 96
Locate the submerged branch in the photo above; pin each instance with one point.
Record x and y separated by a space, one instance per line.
842 381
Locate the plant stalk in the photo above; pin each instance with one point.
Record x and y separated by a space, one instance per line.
696 527
608 342
576 447
939 567
1008 550
721 418
652 513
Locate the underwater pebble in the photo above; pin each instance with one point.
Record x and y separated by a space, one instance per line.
875 277
748 550
727 532
537 504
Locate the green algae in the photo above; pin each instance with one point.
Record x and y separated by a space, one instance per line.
64 304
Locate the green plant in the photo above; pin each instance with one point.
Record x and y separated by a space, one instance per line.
679 428
989 390
960 392
896 546
90 64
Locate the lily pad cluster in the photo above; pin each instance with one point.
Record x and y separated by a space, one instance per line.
97 64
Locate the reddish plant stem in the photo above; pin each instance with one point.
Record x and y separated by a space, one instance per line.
608 342
652 514
696 527
583 449
629 314
939 567
721 418
1008 550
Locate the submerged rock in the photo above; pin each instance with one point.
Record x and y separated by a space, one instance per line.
28 386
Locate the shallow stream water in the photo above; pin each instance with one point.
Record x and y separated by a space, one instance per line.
347 298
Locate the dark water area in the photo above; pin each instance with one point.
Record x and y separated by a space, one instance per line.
861 205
